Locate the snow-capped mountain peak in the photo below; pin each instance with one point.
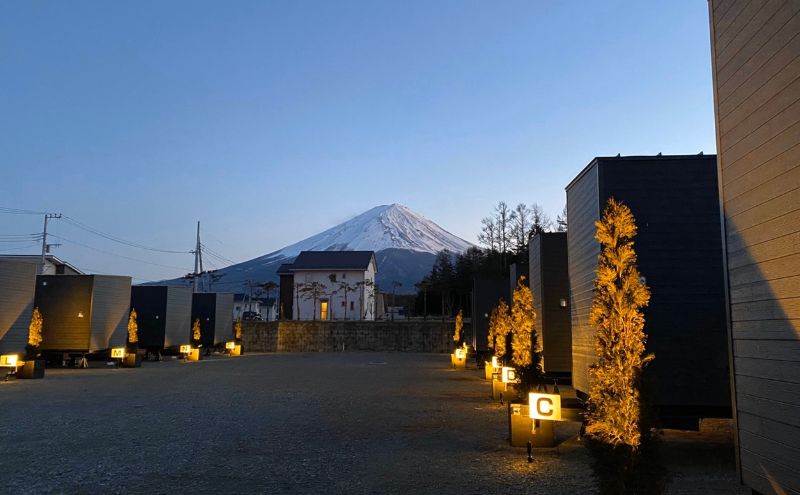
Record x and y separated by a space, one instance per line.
382 227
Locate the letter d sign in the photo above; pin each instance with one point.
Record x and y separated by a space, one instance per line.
545 406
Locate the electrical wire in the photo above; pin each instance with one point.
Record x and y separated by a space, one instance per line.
115 254
119 240
17 211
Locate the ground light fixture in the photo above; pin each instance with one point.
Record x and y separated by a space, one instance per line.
544 406
9 361
509 375
118 353
495 362
185 349
461 353
230 345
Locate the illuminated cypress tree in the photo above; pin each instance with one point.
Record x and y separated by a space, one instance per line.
133 328
35 328
196 330
526 350
459 326
499 327
614 398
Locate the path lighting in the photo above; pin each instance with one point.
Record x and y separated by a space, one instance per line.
9 361
509 375
495 362
544 406
230 345
461 353
186 349
118 353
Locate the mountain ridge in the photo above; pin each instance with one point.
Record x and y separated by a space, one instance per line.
405 245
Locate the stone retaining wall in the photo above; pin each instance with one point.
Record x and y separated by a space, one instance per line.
324 336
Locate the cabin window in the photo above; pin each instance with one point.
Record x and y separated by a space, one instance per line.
323 309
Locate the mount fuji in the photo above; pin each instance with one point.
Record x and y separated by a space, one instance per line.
405 245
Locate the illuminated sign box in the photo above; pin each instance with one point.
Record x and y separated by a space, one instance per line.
509 375
544 406
9 360
186 349
230 345
461 353
118 353
495 362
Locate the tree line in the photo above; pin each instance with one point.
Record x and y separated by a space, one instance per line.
504 237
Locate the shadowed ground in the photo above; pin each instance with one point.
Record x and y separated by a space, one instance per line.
293 423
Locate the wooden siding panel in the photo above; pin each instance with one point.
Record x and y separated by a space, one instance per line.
772 249
767 231
763 367
745 27
766 289
111 300
777 33
583 209
223 331
786 119
17 290
178 325
787 265
550 283
777 350
777 177
65 302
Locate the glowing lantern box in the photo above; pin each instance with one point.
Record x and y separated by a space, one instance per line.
675 200
523 429
215 312
164 315
503 383
17 290
490 367
459 358
83 313
233 348
194 354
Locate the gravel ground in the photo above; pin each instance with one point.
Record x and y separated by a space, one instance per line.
297 423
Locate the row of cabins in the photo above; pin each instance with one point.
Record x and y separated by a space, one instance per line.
679 249
89 313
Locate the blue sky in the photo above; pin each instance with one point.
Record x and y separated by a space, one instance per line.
271 121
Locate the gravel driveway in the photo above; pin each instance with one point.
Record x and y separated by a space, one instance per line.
290 423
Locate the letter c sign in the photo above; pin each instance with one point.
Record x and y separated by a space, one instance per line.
545 406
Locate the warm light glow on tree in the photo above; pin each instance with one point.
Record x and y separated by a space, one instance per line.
133 328
35 328
196 330
459 326
524 339
619 296
499 327
237 330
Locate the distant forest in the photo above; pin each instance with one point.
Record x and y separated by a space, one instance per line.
504 239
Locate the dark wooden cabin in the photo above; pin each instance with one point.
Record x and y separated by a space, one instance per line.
215 312
674 200
286 292
486 293
17 289
83 313
163 315
549 283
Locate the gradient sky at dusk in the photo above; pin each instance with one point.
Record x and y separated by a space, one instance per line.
272 121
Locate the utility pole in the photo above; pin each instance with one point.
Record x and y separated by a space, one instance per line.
198 260
45 247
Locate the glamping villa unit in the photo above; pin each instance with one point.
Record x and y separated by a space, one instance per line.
549 282
329 285
754 53
214 310
83 313
17 290
679 251
163 314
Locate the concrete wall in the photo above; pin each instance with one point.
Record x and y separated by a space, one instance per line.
319 336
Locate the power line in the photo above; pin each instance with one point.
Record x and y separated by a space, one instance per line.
117 255
17 211
119 240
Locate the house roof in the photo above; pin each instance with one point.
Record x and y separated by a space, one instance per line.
333 260
35 258
284 269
